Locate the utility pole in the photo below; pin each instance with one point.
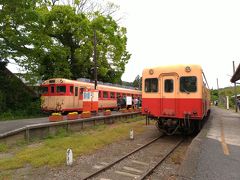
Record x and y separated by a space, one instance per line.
235 90
217 92
95 59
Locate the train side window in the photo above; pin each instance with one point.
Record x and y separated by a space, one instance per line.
99 94
112 95
168 85
105 94
61 89
52 89
151 85
76 91
188 84
118 94
44 90
71 89
81 91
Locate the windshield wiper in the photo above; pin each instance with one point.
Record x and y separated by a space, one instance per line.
186 91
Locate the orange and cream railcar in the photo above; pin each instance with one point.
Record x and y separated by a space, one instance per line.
176 96
63 95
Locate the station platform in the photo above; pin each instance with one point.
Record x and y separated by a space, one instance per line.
11 125
215 152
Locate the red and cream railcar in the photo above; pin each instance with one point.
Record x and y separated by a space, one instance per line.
176 96
64 95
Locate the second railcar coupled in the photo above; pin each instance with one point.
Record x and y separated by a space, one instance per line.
176 96
64 95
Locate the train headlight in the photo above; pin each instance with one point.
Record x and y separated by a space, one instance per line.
194 113
151 71
187 68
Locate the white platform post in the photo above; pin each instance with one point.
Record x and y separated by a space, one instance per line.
69 157
131 134
227 102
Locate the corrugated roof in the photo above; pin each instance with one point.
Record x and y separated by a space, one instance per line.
236 75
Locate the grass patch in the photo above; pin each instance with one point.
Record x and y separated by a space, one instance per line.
3 147
61 132
5 176
6 116
52 151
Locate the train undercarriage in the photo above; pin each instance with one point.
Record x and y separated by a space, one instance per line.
184 126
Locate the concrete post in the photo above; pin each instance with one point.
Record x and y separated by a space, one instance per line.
69 157
131 134
227 102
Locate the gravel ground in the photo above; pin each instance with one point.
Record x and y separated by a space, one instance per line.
149 155
87 164
168 170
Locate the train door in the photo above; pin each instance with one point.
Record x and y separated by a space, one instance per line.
76 99
52 97
81 90
168 84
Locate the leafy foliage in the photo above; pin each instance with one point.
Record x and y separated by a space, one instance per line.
214 95
138 82
221 94
17 22
50 40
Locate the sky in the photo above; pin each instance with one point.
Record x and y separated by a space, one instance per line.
166 32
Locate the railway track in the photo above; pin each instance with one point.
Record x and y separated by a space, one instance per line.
140 163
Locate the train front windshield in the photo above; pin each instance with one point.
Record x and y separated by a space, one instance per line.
151 85
44 90
188 84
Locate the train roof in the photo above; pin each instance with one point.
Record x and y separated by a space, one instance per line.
176 66
173 68
88 83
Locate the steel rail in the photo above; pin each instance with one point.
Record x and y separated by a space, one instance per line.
160 162
120 159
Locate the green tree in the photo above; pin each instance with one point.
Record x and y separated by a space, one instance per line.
111 48
138 82
214 95
17 23
53 40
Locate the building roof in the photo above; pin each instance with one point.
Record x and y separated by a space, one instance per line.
236 75
5 72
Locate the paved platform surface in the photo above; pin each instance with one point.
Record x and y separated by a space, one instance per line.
215 152
6 126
